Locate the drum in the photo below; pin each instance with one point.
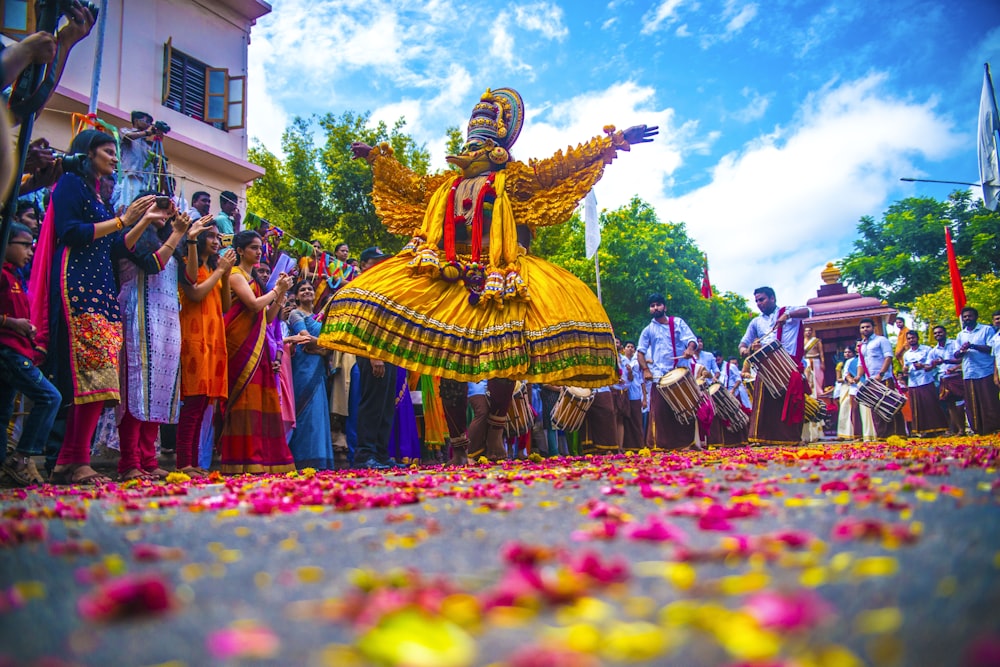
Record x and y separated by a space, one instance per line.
520 416
681 393
728 406
883 401
571 407
774 367
815 410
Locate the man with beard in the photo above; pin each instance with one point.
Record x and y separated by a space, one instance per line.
777 421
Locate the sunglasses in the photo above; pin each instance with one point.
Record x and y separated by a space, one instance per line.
27 244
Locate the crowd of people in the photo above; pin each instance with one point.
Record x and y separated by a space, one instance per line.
116 304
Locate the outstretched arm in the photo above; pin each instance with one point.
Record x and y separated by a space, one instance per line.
547 192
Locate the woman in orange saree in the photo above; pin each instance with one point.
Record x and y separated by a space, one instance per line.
253 435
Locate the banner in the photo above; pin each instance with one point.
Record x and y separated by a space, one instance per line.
957 289
989 124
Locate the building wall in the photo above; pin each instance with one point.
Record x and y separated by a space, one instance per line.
216 32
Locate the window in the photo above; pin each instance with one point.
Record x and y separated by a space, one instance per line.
18 17
199 91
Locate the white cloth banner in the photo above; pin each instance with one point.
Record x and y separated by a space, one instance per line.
592 228
989 172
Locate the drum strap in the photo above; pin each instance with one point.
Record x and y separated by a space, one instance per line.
799 347
673 338
861 360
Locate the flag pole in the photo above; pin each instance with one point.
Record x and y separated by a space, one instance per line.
597 274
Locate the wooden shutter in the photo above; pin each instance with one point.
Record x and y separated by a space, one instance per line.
216 94
236 107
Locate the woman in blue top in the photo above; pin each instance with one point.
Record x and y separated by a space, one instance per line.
84 331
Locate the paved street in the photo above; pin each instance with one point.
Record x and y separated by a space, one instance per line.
831 556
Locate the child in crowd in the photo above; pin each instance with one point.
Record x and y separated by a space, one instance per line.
17 365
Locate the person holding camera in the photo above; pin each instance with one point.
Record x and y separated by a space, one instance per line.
135 172
74 296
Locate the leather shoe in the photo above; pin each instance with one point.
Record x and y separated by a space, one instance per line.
374 464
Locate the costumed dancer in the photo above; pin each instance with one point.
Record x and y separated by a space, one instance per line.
464 300
776 421
928 417
665 344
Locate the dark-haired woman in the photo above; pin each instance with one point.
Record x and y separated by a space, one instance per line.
151 378
205 296
310 443
83 333
253 438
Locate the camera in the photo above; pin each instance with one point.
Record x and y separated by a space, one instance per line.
160 127
74 162
162 201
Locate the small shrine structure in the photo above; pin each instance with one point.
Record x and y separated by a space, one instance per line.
836 316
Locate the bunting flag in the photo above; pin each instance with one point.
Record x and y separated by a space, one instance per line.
706 285
957 289
989 125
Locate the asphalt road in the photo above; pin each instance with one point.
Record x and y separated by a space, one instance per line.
837 555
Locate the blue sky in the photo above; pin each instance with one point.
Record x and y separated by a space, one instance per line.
781 122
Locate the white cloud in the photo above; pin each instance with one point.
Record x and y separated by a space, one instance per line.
610 22
502 46
543 17
755 109
665 12
683 31
643 171
746 14
266 120
778 210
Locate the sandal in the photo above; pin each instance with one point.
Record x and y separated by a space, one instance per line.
134 473
16 467
71 474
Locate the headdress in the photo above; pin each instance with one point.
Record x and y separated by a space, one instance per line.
497 119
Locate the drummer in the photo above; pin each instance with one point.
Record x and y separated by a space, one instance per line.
875 355
776 421
665 344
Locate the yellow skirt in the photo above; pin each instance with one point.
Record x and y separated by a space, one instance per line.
559 334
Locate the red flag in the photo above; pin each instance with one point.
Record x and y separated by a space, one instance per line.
706 286
957 290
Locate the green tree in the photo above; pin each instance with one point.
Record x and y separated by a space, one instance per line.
454 144
903 256
639 256
981 292
320 190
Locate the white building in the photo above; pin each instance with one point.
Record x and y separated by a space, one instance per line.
182 61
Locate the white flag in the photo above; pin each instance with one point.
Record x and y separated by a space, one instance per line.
989 172
592 228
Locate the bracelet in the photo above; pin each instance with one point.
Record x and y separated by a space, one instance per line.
167 245
120 224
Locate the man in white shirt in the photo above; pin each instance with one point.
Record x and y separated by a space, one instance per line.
777 421
929 420
875 355
665 344
707 359
951 391
982 405
636 398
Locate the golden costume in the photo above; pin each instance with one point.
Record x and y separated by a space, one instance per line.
480 306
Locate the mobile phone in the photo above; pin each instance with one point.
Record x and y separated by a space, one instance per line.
162 201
